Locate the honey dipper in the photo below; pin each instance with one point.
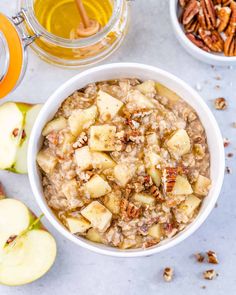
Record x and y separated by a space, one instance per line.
87 27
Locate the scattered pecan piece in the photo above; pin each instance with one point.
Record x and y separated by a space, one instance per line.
191 9
228 170
129 210
223 14
226 142
230 46
81 141
231 29
209 274
197 41
199 257
207 15
212 258
220 103
230 155
212 39
168 274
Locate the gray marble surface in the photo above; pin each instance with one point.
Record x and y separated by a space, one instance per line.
77 271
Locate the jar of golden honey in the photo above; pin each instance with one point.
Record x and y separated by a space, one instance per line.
55 21
49 27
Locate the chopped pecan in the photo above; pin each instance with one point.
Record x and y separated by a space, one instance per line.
220 103
212 258
197 41
192 26
168 274
223 14
200 257
169 178
230 45
212 39
207 15
209 274
149 243
154 190
183 3
129 210
191 9
226 142
232 24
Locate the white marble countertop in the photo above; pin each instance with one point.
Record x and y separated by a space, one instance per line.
78 271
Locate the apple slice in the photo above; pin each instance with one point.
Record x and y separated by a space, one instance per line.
26 251
16 121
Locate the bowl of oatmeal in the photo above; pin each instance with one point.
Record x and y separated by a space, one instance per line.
206 29
126 160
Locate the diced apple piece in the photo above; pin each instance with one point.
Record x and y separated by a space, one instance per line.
155 175
139 100
166 92
82 119
102 161
70 189
147 87
102 138
54 125
108 105
46 161
151 159
99 216
83 158
21 155
182 186
127 244
78 224
190 205
123 174
67 141
144 198
112 202
179 143
94 236
155 231
97 187
202 185
152 139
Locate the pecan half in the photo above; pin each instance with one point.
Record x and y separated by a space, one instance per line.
230 46
232 24
212 39
183 3
197 41
223 14
129 210
169 178
192 26
207 15
191 9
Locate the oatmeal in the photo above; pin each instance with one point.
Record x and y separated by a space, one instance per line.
125 163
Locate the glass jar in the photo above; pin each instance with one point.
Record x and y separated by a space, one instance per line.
78 52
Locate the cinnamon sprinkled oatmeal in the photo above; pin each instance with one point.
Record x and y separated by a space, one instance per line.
125 163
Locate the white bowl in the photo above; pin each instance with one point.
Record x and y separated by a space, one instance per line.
210 58
143 72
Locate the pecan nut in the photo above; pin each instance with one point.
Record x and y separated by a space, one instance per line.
207 15
183 3
232 23
223 14
169 178
230 46
191 9
193 26
212 39
197 41
129 210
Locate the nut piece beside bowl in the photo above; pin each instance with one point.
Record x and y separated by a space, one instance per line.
206 29
131 168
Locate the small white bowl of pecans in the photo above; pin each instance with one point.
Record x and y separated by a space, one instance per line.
206 29
126 160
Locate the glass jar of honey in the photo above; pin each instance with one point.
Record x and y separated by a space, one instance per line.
53 23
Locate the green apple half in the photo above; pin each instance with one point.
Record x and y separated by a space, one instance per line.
27 251
16 122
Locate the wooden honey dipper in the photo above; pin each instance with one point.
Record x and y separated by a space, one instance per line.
87 27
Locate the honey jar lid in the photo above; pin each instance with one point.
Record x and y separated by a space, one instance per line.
12 56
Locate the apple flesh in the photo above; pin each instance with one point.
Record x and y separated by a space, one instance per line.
26 252
16 122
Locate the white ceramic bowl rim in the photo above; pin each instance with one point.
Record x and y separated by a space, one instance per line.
179 30
43 117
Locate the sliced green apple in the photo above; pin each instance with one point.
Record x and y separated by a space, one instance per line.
16 121
26 251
